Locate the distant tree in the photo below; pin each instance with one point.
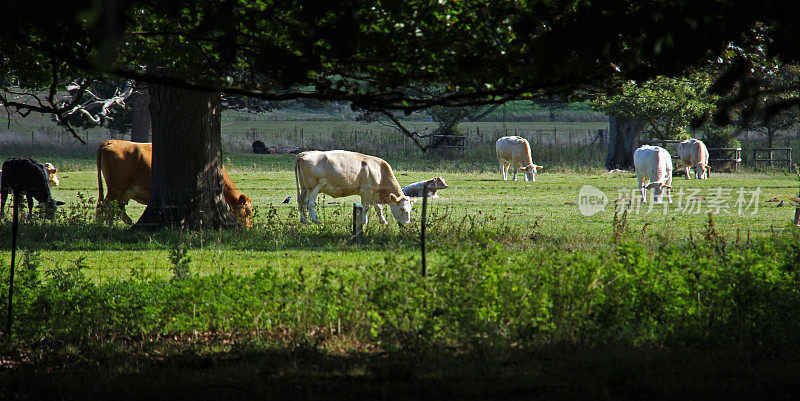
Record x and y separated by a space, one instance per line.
446 118
776 109
666 106
102 104
662 108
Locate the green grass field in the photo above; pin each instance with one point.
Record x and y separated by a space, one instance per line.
524 214
526 296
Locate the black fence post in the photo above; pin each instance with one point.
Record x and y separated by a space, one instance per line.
14 227
422 231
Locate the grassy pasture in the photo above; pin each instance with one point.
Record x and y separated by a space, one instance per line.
521 215
526 296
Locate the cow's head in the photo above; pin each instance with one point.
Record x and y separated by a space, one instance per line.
530 171
438 183
49 206
51 174
401 208
701 171
658 188
244 210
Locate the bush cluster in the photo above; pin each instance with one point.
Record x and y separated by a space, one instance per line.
704 293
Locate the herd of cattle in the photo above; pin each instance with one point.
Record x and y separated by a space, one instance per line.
126 167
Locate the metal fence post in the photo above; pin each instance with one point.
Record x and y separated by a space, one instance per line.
422 230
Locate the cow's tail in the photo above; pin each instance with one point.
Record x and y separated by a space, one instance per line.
99 172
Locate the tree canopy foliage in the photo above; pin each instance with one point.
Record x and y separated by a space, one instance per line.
666 106
372 53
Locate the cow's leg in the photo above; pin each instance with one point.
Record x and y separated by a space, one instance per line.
127 219
302 200
379 210
515 168
365 205
502 170
114 201
669 189
312 200
3 195
30 204
642 189
686 170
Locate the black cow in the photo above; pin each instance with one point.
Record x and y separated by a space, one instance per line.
260 148
23 175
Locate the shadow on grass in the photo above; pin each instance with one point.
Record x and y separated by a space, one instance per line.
160 369
39 235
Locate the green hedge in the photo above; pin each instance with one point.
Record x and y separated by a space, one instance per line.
704 293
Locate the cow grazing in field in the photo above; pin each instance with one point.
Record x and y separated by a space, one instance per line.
694 154
653 164
52 178
260 148
127 167
515 151
23 175
434 184
340 173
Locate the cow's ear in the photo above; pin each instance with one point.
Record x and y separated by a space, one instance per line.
666 186
539 168
394 198
59 203
412 200
243 199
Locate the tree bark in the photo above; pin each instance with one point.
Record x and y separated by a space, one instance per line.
141 127
622 142
186 188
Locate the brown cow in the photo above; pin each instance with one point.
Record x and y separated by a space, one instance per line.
126 166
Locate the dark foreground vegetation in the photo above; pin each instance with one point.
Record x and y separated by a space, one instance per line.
705 317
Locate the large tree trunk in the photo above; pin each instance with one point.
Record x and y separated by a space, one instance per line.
622 142
187 161
140 110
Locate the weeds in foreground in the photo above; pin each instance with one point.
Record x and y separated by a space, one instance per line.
180 260
477 294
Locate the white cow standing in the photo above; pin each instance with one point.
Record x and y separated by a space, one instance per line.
693 153
653 164
341 173
515 151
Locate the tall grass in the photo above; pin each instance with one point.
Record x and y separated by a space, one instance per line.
704 292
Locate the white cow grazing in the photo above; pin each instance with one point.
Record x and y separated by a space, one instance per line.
341 173
515 151
653 164
693 153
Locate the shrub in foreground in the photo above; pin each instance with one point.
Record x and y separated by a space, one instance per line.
705 293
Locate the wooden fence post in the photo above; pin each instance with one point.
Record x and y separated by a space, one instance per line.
358 223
